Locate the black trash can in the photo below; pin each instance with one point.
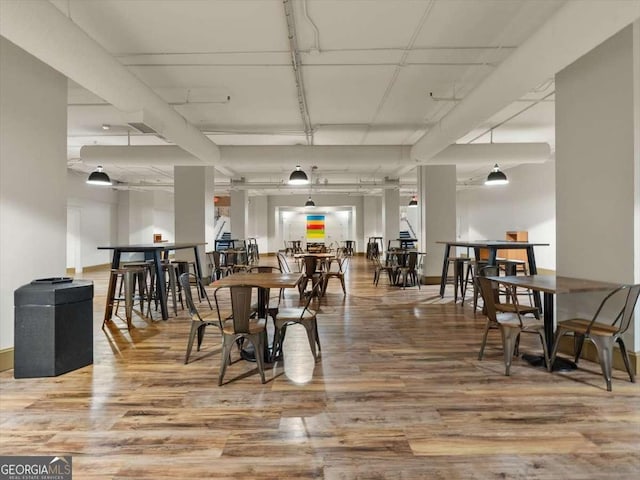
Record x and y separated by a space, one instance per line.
53 327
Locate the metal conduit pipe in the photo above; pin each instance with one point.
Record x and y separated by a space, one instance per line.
296 63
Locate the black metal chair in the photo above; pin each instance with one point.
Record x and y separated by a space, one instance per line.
242 325
304 316
511 324
604 336
198 321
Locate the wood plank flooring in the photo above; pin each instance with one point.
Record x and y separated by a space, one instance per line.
398 394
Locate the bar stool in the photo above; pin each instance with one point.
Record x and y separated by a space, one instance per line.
459 264
127 277
170 270
145 280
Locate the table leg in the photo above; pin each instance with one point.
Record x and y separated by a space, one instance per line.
549 330
445 264
111 290
533 270
248 352
161 287
493 253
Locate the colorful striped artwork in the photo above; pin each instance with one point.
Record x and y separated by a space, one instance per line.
315 227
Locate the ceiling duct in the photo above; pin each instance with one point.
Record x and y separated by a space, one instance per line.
46 33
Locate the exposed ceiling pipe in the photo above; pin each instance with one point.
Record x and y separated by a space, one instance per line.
297 70
46 33
575 29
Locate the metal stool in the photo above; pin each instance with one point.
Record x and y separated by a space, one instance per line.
128 277
458 275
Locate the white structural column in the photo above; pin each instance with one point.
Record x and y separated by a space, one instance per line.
437 204
258 222
597 176
239 214
194 210
390 215
33 175
371 206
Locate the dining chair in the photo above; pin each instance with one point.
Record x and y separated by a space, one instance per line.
604 336
493 271
380 268
511 324
282 262
304 316
409 270
271 309
199 321
242 325
310 274
218 270
343 263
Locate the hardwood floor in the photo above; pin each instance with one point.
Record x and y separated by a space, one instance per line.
397 394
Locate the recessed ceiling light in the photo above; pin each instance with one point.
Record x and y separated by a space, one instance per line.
106 127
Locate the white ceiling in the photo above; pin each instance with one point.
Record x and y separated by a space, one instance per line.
374 72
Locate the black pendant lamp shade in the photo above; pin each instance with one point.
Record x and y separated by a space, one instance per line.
298 177
496 177
413 202
99 177
309 203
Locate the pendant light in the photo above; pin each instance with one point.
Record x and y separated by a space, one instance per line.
298 177
413 202
496 177
99 177
309 202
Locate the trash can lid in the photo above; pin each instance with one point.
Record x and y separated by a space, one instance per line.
50 292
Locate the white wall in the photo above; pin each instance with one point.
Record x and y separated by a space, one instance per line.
527 203
97 209
275 234
33 156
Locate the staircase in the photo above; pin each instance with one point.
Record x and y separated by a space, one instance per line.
223 242
405 235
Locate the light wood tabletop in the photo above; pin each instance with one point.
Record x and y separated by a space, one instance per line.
260 279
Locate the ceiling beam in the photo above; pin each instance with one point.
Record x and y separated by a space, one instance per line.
46 33
575 29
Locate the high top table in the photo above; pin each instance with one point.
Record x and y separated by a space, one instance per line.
155 249
493 246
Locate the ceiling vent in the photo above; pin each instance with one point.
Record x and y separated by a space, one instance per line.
142 127
145 123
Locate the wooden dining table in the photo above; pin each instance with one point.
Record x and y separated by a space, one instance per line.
551 285
156 250
264 281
